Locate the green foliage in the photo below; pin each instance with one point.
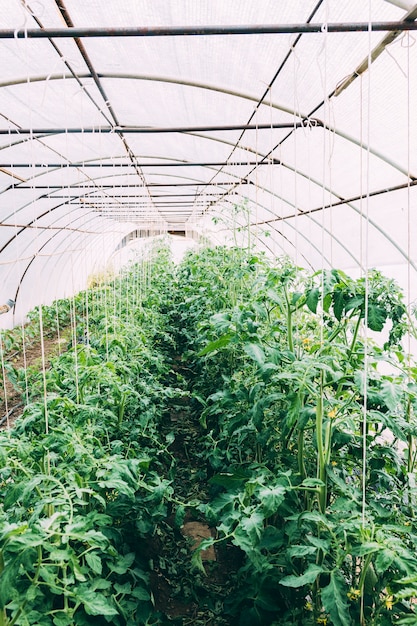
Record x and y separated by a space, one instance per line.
275 383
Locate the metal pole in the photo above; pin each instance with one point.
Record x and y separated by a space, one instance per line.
114 165
307 123
82 186
166 31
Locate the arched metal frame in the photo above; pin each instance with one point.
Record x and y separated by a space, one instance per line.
137 165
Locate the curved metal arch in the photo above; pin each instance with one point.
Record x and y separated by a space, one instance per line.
337 240
314 181
349 204
216 88
402 252
299 172
81 251
273 226
79 235
292 244
29 224
90 215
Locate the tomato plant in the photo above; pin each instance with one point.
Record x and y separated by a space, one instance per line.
243 393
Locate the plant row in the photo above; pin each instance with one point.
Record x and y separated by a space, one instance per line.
303 458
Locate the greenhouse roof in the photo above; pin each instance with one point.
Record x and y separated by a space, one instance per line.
294 121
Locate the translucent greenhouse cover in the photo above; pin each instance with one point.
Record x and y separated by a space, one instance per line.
294 120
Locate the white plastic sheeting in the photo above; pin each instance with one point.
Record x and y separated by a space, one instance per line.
79 177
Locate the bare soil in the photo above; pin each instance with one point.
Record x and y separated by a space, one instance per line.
12 400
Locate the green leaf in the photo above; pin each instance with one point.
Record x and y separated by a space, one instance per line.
355 302
408 621
274 296
253 524
329 280
179 515
312 299
338 304
196 561
94 603
141 594
307 578
295 297
334 600
255 352
216 345
94 562
271 498
100 583
391 394
300 551
384 560
8 581
376 317
315 516
229 480
309 483
63 619
123 563
123 587
272 538
13 495
367 547
323 544
327 300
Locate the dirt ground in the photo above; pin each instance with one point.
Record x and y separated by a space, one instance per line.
11 399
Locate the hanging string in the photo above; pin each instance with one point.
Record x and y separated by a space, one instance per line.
256 233
323 75
365 264
3 372
271 173
410 460
295 173
31 139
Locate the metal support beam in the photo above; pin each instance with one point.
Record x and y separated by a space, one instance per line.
166 31
307 123
141 165
117 196
375 53
84 186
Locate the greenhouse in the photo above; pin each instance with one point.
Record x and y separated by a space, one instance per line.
208 312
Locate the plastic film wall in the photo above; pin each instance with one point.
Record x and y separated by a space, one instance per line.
296 121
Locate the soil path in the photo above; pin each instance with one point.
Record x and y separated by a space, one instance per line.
12 401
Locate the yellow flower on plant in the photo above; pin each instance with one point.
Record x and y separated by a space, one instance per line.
332 414
334 463
389 602
306 342
354 594
322 620
308 606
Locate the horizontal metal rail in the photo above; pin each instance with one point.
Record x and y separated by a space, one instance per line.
133 197
114 165
82 186
307 123
175 31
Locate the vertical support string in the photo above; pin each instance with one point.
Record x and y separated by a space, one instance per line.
410 460
365 264
3 372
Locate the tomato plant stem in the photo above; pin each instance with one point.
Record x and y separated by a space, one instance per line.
355 336
289 322
321 461
3 615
